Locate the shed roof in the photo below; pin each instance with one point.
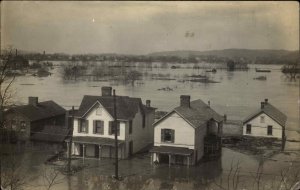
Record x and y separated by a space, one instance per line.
197 114
271 111
172 150
40 111
95 140
51 133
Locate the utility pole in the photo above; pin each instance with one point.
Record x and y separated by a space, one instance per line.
116 136
70 142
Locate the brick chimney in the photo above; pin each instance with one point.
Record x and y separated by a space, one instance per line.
148 103
33 101
266 101
185 100
106 90
262 105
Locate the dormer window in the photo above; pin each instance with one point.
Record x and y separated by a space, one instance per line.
98 110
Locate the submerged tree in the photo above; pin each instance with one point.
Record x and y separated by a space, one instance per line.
291 70
132 76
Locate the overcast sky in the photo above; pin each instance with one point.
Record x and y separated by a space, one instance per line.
145 27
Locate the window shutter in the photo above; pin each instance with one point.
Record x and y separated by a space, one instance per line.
94 126
102 127
162 134
78 125
110 127
172 136
87 126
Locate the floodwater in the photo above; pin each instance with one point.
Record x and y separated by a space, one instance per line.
237 95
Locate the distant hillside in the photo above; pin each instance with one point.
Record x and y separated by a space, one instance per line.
231 53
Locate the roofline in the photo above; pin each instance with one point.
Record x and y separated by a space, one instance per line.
258 113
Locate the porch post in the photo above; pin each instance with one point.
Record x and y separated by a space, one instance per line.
151 157
188 161
169 160
100 149
68 149
83 150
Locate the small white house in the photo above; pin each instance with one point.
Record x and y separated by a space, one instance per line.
186 133
268 121
93 132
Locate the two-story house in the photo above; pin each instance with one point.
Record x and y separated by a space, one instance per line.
267 122
32 120
187 133
93 130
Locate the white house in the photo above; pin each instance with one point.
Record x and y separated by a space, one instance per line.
186 133
268 121
93 132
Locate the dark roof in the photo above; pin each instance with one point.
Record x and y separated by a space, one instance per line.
272 112
42 110
127 107
197 114
172 150
95 140
50 134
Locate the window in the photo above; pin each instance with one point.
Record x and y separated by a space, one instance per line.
83 126
23 125
167 135
248 129
270 130
99 111
112 128
262 119
98 127
130 127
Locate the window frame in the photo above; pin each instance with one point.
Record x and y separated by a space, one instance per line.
100 127
270 130
170 132
99 110
83 124
248 129
262 119
112 128
22 125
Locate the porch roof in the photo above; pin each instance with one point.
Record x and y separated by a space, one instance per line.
172 150
95 140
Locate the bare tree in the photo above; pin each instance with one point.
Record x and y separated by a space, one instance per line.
51 177
291 70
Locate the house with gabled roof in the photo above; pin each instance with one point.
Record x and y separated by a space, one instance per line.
94 133
187 133
37 120
267 121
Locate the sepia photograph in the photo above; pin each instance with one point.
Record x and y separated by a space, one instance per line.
149 95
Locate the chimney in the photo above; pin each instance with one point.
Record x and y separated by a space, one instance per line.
16 52
148 103
262 105
208 103
185 100
266 101
225 117
33 101
106 90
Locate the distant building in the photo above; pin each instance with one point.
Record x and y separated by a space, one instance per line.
93 132
268 121
44 121
187 133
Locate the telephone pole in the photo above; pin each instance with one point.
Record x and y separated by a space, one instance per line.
70 142
116 136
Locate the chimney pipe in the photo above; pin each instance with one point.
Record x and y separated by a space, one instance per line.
33 101
148 103
208 103
185 100
225 117
262 105
106 90
266 101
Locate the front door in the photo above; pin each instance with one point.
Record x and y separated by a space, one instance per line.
164 158
130 148
97 151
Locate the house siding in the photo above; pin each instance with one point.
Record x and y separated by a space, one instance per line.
182 130
261 129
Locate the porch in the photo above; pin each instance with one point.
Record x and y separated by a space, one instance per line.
96 147
172 155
